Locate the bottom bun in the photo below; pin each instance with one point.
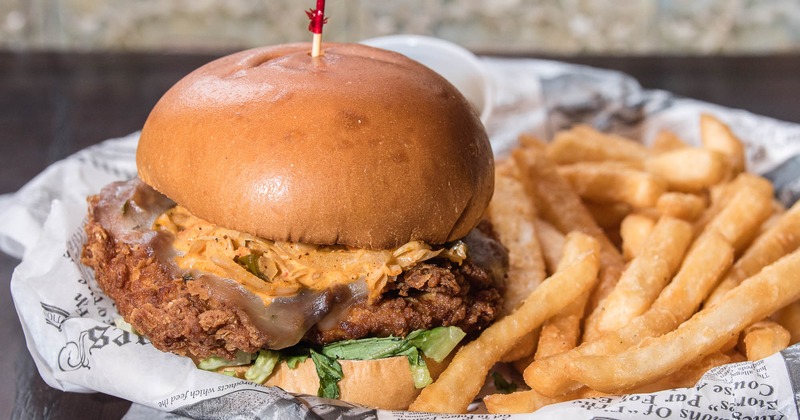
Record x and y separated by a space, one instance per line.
384 383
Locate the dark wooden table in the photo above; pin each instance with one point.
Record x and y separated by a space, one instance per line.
52 105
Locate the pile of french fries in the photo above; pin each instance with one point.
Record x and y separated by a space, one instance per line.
633 269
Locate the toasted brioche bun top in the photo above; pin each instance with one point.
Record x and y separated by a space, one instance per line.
360 147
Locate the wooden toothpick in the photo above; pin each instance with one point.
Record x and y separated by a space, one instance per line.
318 19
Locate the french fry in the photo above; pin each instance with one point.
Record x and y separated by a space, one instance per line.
776 286
646 275
699 168
740 220
778 210
789 318
705 263
688 376
558 204
715 135
658 342
523 349
763 339
634 230
667 141
512 215
530 401
623 148
552 242
782 238
529 140
612 183
722 194
562 332
735 356
585 144
462 380
683 206
608 216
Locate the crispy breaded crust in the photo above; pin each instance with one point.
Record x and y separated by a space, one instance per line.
176 315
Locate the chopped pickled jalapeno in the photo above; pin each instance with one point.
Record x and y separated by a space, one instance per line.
250 263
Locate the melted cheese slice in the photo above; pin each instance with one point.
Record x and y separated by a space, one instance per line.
272 269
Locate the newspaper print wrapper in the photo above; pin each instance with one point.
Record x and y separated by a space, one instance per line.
69 323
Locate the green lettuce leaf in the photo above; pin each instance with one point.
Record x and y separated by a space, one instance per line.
366 348
436 343
262 368
214 362
295 355
293 361
419 370
330 373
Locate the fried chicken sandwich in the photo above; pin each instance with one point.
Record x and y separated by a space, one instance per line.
307 222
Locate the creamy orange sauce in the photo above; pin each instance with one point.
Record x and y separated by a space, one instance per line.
272 269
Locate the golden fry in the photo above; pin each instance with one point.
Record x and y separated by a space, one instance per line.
637 336
777 212
558 204
585 144
646 275
763 339
562 331
530 401
789 318
689 169
608 216
552 242
707 260
529 140
715 135
688 376
634 230
461 381
683 206
706 332
782 238
667 141
682 297
739 221
722 194
522 349
512 215
611 183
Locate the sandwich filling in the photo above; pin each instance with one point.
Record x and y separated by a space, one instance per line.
201 290
272 269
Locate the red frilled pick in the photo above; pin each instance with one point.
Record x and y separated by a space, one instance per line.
318 19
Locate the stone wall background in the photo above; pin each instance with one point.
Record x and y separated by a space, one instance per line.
540 26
